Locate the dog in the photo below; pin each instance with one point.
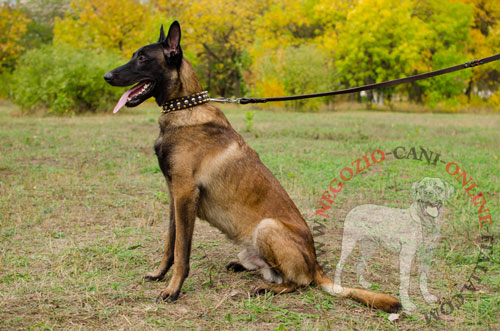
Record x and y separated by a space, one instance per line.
212 174
408 231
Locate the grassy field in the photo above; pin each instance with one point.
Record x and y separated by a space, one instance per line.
83 212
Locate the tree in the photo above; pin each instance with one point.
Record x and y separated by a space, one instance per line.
484 42
290 54
381 40
42 14
121 26
13 24
218 34
294 70
389 39
450 22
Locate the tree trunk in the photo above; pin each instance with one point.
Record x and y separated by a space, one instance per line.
236 83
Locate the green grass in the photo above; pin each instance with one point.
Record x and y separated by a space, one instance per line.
83 209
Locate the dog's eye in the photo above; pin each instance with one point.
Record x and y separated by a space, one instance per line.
142 58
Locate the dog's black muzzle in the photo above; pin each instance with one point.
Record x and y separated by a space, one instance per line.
108 77
125 75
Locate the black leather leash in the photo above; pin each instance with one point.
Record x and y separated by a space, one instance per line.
368 87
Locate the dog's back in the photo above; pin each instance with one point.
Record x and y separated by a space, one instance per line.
384 224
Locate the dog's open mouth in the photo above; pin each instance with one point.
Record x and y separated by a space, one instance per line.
135 96
432 209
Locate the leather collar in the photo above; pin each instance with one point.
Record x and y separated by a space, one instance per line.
185 102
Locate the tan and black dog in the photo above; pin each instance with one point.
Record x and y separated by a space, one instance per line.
213 174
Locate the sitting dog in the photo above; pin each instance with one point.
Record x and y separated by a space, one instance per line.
407 231
213 174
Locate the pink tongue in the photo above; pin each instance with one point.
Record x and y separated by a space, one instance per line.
122 101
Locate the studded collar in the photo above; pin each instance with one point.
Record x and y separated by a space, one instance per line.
185 102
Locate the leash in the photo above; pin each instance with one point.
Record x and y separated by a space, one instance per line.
474 63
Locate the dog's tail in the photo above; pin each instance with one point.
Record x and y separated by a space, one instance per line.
372 299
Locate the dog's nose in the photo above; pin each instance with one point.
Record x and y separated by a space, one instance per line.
108 76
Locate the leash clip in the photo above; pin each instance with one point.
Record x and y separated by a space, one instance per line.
225 100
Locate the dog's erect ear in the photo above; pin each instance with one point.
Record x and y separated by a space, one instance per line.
450 190
171 44
174 35
162 35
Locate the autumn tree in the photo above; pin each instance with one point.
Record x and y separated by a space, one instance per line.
485 41
120 26
449 22
218 34
389 39
292 50
13 24
42 14
258 46
215 37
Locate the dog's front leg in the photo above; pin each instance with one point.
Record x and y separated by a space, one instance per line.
185 205
425 259
168 248
405 262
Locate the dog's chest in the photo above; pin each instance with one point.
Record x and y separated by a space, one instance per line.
163 150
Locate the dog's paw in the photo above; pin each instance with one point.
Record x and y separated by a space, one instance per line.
167 296
366 284
259 290
429 298
337 289
154 276
235 267
408 305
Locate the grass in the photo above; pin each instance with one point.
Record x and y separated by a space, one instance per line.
83 209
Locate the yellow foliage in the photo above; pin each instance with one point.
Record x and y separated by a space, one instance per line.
485 39
117 25
231 42
13 25
270 87
494 100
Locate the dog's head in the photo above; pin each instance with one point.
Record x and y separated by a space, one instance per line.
153 68
431 193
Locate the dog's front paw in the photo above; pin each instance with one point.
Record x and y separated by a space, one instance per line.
154 276
429 298
408 306
167 296
366 284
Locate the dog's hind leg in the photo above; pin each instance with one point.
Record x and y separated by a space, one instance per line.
244 264
348 244
367 249
250 260
285 252
291 252
168 249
